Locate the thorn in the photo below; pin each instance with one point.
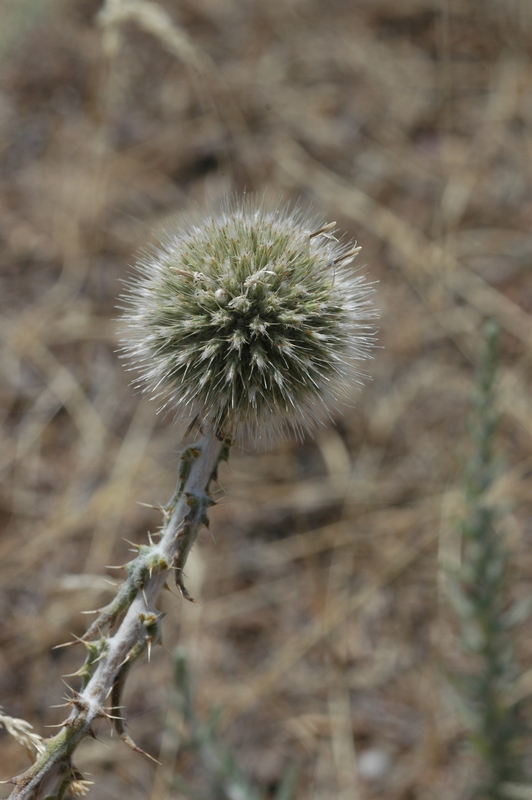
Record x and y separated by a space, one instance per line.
93 736
126 738
108 719
112 583
88 642
126 659
179 532
324 229
95 611
98 658
136 547
183 589
111 566
65 644
351 254
191 426
60 725
148 505
92 642
149 650
169 589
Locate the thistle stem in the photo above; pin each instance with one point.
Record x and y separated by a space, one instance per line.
140 627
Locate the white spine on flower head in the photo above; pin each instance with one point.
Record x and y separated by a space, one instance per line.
251 320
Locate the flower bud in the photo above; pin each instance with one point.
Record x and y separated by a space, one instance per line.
251 320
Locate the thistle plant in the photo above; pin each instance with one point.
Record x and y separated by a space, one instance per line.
247 322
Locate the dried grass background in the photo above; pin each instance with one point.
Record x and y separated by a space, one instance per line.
323 627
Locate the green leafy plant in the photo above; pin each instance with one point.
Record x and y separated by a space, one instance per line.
479 595
224 778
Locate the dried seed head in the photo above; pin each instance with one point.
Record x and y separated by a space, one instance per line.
251 320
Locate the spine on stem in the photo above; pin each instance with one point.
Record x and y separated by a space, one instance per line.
110 657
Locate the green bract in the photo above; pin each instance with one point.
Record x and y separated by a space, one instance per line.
250 320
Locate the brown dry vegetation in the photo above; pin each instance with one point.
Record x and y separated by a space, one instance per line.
322 626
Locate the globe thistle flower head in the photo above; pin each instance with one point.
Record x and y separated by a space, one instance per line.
250 320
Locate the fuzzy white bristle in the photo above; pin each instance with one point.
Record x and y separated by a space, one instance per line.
250 320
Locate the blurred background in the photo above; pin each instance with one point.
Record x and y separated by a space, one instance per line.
322 629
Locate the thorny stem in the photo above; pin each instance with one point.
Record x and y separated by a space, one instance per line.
110 657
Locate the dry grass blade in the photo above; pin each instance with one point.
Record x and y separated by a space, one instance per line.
421 259
258 686
410 124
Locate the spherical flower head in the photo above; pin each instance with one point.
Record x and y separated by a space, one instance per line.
251 320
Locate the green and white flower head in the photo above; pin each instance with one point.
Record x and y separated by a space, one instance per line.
251 320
